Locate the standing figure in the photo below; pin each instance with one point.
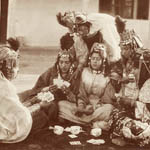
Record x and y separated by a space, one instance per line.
103 23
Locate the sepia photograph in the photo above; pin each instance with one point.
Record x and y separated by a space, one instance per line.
75 74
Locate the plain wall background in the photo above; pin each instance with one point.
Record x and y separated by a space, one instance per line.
34 21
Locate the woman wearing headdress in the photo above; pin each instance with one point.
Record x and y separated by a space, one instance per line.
15 119
56 83
93 104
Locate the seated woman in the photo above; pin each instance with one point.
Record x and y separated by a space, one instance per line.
92 105
130 122
57 80
15 119
141 105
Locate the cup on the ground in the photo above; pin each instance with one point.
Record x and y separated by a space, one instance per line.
96 132
75 129
58 129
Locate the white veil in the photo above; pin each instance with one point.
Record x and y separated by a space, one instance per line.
106 24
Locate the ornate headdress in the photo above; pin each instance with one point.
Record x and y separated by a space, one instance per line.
99 48
130 37
9 62
64 53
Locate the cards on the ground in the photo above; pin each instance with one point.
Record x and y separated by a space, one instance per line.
72 136
96 141
60 83
75 143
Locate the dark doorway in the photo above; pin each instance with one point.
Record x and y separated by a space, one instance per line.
143 9
3 20
124 8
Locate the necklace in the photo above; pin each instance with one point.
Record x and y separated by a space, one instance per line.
96 71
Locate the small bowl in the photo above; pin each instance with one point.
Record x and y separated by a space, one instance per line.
58 130
96 132
75 130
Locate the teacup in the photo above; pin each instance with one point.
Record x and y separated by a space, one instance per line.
58 129
75 129
96 132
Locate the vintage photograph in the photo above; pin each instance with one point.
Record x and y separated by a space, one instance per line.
75 74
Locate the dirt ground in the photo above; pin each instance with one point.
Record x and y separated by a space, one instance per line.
34 61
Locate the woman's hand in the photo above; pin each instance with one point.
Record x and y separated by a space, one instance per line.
125 80
45 89
80 111
44 104
89 110
51 88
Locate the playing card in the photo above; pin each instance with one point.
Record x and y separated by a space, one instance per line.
58 82
67 84
72 136
96 141
75 143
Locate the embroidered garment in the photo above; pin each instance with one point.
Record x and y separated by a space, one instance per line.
130 130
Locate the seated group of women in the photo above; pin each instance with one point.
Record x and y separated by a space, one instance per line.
100 92
92 98
87 90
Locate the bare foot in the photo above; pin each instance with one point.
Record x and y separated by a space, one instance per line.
119 141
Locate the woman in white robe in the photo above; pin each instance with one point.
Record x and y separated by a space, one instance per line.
15 119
